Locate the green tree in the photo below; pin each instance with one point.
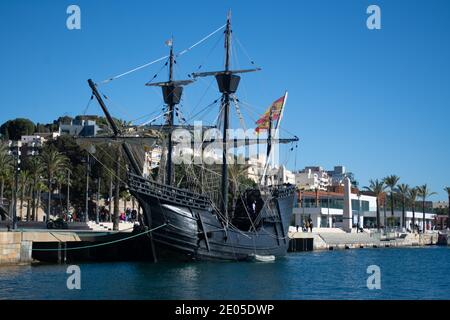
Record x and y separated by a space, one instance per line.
6 165
377 188
15 129
126 196
34 167
53 162
237 174
424 193
403 190
447 189
39 187
24 181
391 181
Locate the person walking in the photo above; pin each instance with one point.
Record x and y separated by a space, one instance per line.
310 223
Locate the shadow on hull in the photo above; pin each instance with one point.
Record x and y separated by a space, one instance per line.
188 233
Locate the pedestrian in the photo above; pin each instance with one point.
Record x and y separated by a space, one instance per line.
310 223
297 228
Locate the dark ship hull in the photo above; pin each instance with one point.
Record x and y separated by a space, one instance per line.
188 229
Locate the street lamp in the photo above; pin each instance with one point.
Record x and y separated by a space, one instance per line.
328 205
97 212
86 207
15 151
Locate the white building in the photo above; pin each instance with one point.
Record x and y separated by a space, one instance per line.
315 177
152 160
440 204
35 140
326 210
337 175
276 175
312 178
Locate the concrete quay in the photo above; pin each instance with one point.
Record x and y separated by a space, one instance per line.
81 242
14 249
331 239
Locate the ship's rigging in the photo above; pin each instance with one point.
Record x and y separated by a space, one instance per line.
212 181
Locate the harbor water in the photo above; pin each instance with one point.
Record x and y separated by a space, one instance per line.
405 273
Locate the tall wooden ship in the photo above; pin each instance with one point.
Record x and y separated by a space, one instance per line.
209 218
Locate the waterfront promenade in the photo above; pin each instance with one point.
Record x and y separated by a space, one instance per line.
17 247
335 238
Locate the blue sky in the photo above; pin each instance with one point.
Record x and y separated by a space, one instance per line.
376 101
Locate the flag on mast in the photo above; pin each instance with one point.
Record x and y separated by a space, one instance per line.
276 107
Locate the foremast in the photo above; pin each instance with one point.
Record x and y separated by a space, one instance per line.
172 91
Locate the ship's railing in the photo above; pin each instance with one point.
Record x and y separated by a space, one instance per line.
183 197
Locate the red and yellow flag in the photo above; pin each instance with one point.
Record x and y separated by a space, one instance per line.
263 122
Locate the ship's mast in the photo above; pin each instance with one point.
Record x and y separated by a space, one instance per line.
170 121
226 116
228 82
172 91
269 143
116 131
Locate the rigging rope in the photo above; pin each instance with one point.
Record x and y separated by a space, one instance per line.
238 111
199 42
162 58
88 104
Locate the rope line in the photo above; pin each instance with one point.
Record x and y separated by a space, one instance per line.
162 58
105 243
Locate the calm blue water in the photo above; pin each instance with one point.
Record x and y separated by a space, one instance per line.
413 273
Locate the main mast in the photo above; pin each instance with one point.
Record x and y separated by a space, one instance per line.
228 82
170 120
226 117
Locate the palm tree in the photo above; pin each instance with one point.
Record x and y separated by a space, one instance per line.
447 189
24 180
424 193
391 181
60 179
126 196
53 163
377 188
35 169
236 173
403 190
412 197
5 168
39 187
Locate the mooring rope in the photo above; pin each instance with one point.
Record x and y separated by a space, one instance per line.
105 243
